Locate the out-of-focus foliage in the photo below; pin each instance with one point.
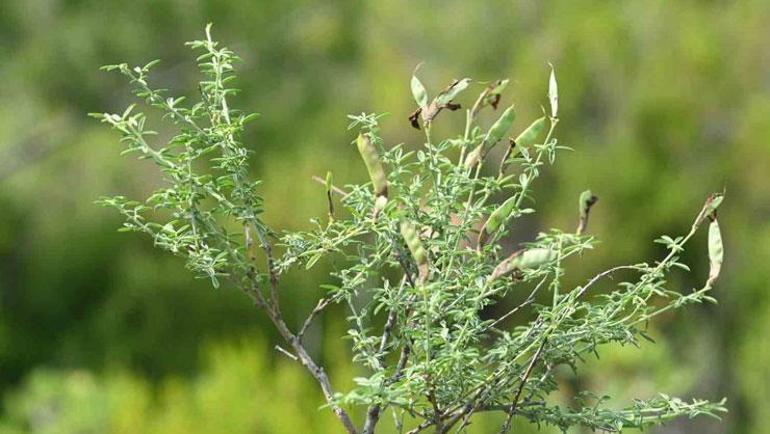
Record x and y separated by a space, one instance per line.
662 102
237 391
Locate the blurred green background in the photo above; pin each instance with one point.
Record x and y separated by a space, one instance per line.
663 102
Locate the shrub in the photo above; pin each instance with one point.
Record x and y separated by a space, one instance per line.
421 258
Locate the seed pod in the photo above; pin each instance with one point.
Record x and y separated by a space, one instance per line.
531 134
716 251
713 202
500 215
442 101
373 165
490 96
553 94
497 87
494 92
496 132
587 200
447 95
379 205
710 207
418 92
500 128
416 248
473 157
522 260
534 258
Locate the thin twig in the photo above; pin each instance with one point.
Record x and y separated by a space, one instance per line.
286 353
420 427
529 300
315 370
320 306
273 312
437 416
373 413
512 409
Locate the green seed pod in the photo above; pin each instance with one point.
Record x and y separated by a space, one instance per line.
418 92
531 134
373 165
713 202
716 251
473 157
489 97
379 204
553 94
412 239
416 248
498 86
500 215
534 258
587 200
500 128
451 92
493 92
522 260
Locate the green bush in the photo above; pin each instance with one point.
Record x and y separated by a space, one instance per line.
418 258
